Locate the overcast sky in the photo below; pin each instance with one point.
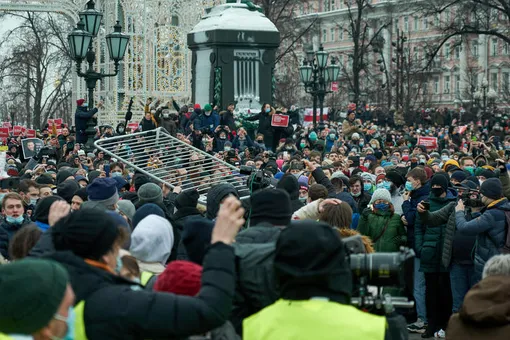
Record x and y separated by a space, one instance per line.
8 23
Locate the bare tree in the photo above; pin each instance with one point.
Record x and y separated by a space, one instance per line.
35 66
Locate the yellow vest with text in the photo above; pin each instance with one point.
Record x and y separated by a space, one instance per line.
313 319
145 278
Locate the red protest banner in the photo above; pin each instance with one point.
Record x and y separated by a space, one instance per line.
132 126
57 121
17 130
279 120
429 142
30 133
4 132
334 86
50 122
7 125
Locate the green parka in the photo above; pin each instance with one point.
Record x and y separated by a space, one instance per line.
372 224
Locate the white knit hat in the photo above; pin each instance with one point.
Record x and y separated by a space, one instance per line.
381 194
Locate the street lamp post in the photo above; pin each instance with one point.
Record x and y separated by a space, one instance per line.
13 112
316 75
81 48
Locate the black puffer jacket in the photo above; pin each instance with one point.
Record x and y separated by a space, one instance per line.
180 218
116 308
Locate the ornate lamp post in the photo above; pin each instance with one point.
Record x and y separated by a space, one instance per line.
316 75
81 48
12 110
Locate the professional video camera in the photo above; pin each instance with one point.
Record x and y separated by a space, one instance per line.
259 179
379 270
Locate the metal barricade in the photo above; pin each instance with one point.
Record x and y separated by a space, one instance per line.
171 161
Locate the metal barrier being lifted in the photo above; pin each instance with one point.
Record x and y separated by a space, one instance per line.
172 161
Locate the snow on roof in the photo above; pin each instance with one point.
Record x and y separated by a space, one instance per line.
234 17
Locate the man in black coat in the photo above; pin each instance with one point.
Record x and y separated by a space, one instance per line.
81 117
88 243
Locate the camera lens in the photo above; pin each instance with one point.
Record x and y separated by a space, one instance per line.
381 269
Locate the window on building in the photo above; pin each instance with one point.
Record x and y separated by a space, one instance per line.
505 81
446 84
505 49
406 24
333 5
416 22
436 85
425 23
447 51
437 19
324 35
341 33
494 47
416 54
457 52
425 88
395 25
457 84
326 5
447 15
494 81
474 48
332 34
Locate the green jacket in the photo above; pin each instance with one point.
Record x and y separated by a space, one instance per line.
372 224
430 239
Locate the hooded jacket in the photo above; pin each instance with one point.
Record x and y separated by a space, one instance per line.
151 243
490 229
116 308
429 239
207 122
485 312
410 212
214 197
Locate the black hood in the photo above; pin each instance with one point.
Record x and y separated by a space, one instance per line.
290 184
214 197
310 261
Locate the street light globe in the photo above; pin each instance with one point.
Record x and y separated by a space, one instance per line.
478 95
492 94
117 43
485 83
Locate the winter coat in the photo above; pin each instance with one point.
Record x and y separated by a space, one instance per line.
81 116
258 234
7 231
505 181
239 144
210 122
181 216
372 224
429 239
457 247
116 308
363 200
43 247
485 312
490 229
349 128
147 124
397 200
227 119
265 127
410 212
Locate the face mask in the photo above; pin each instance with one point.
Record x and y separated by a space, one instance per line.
437 191
227 148
303 199
33 201
422 160
70 321
289 148
302 145
470 169
481 181
409 186
15 220
118 267
384 185
332 136
367 186
356 195
116 174
207 113
223 137
382 206
361 144
268 110
366 165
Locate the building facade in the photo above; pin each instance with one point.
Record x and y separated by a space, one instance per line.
452 78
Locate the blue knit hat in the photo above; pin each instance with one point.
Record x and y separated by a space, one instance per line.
103 190
146 210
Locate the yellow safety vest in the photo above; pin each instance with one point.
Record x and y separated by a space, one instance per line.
79 321
4 337
313 319
145 277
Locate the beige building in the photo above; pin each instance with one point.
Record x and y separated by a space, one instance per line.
463 69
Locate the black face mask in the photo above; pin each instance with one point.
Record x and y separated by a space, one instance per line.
437 191
474 203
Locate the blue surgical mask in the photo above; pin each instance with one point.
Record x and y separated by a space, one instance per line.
268 110
445 158
303 199
367 186
384 185
70 321
118 267
409 186
331 136
382 206
227 148
33 201
116 174
15 220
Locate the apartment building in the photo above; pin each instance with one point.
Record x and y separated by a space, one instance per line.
454 76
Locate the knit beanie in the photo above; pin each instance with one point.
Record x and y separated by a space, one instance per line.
121 183
379 177
62 175
82 193
181 278
45 179
42 208
146 210
140 180
122 223
127 208
67 189
93 175
381 194
441 180
196 238
103 190
187 199
487 174
88 233
150 193
492 188
207 107
215 195
289 184
449 163
272 206
303 183
459 176
32 291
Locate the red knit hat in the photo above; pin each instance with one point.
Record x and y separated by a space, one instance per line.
80 102
197 106
381 176
181 278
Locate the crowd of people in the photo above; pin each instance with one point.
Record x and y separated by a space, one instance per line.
92 248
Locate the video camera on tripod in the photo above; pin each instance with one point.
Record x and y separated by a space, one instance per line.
379 270
259 179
